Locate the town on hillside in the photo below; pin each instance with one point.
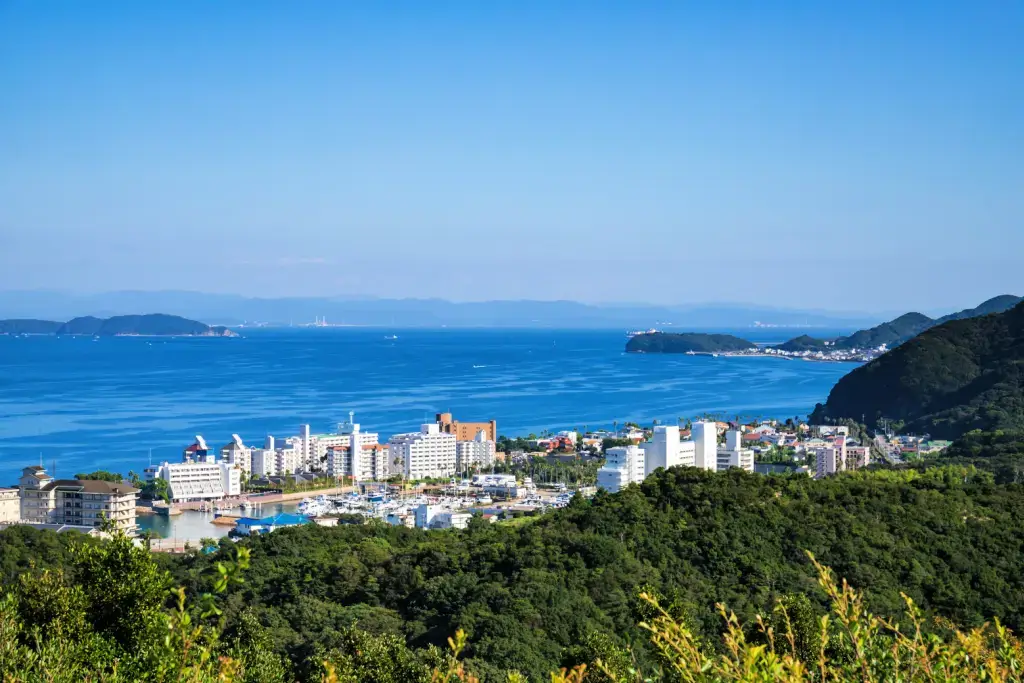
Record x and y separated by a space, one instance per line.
436 477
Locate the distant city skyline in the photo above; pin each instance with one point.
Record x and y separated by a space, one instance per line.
834 156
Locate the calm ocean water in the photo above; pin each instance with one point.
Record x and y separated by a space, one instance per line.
107 403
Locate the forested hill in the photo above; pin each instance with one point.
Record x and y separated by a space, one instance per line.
29 326
563 588
695 342
155 324
898 331
962 375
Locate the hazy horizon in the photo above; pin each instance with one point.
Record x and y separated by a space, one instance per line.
840 157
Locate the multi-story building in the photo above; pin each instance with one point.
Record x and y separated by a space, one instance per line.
191 481
475 454
665 449
831 459
623 465
10 506
857 457
466 431
198 452
734 454
238 454
288 460
367 461
426 453
75 502
705 439
264 460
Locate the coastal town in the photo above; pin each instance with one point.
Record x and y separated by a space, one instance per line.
438 477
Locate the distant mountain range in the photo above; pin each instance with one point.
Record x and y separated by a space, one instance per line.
397 313
891 334
958 376
156 324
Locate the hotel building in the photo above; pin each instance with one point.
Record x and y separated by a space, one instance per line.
75 502
426 453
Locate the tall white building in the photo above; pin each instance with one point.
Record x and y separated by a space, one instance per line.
189 481
478 453
623 465
666 450
288 460
705 439
237 453
264 460
734 454
366 461
426 453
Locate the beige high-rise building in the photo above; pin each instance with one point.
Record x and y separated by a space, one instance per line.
466 431
78 502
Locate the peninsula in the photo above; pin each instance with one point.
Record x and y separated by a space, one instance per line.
151 325
862 346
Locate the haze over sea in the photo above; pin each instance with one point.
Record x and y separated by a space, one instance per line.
105 404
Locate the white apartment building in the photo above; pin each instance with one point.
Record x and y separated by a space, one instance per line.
368 461
478 453
288 460
316 450
426 453
705 439
85 502
623 465
831 459
10 506
734 454
190 481
237 453
666 450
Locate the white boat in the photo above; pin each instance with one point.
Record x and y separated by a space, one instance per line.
391 337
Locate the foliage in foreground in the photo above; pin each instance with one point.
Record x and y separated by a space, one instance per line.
562 590
51 631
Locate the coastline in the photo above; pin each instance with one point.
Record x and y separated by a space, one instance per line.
735 354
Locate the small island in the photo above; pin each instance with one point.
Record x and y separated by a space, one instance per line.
151 325
689 342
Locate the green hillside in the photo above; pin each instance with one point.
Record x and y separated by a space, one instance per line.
962 375
564 588
898 331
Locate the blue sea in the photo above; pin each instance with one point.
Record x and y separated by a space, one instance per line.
113 403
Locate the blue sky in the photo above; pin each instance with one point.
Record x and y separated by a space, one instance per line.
845 155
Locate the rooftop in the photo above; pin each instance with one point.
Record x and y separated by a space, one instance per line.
91 486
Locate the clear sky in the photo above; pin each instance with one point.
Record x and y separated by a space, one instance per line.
845 155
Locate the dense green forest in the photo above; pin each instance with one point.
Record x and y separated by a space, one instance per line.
563 588
664 342
958 377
